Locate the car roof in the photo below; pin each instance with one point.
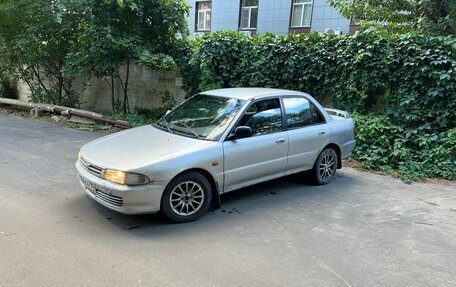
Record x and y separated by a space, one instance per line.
250 93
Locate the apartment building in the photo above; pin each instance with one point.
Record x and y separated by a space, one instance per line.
261 16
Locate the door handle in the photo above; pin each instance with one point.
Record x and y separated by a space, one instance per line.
321 132
281 140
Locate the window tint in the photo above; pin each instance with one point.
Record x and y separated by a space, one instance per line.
317 117
263 117
298 112
266 122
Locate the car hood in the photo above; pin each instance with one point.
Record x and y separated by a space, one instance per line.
137 147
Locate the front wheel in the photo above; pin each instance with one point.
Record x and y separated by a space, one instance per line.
186 198
325 167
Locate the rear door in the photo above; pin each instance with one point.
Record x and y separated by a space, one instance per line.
307 132
260 157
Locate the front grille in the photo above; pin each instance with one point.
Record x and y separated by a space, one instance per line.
111 199
93 169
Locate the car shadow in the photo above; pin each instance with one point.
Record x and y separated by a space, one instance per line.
244 204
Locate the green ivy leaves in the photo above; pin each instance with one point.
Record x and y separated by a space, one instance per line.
412 153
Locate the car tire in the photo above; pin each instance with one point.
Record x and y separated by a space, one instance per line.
325 167
186 198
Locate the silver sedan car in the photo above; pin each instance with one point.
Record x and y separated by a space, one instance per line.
213 143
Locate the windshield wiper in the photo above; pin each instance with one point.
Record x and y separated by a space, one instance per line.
166 125
182 123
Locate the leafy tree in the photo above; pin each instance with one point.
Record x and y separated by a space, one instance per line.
436 17
35 37
120 32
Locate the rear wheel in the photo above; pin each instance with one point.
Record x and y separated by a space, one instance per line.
186 198
325 167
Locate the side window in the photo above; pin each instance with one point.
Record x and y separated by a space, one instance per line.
298 112
317 117
263 117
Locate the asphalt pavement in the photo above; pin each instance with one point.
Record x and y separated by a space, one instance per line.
362 229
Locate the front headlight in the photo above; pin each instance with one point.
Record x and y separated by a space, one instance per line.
125 178
79 156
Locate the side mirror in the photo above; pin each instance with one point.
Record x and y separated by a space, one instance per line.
242 132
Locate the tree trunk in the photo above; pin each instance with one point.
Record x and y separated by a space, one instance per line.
38 78
112 88
126 105
60 81
60 89
24 76
113 100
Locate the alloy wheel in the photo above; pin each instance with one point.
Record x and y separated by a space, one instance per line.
186 198
327 167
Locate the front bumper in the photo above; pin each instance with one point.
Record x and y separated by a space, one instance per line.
121 198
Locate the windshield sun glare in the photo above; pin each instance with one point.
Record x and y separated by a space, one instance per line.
202 116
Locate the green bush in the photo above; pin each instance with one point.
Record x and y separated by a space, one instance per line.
405 83
7 87
410 77
410 153
141 116
51 97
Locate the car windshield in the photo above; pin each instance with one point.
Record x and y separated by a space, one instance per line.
202 116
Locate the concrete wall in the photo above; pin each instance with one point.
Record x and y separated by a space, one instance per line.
145 90
23 91
273 16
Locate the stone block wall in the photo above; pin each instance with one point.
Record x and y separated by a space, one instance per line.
145 89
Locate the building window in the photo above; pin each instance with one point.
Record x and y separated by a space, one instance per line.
301 13
203 16
249 14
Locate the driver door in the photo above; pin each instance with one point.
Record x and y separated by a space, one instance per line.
261 157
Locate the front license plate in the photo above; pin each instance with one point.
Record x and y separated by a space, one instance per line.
90 186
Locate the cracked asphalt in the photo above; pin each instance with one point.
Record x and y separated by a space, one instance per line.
362 229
